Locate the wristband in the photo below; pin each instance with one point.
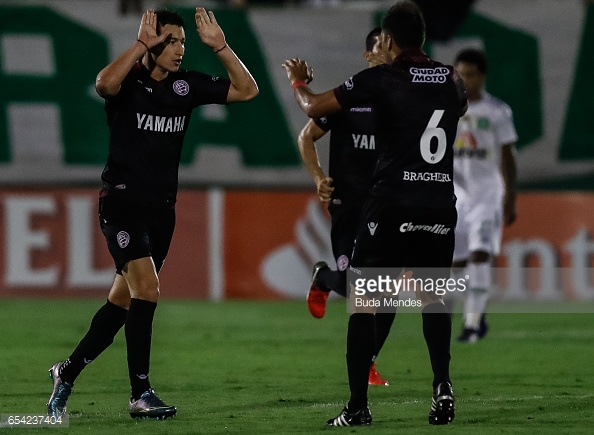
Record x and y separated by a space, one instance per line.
144 43
298 83
221 49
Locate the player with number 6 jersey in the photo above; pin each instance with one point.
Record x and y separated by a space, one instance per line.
418 103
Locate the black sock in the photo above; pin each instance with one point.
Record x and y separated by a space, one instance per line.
360 347
383 323
437 329
329 280
139 327
106 323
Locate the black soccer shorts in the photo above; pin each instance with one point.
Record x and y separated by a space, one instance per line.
345 224
133 231
394 236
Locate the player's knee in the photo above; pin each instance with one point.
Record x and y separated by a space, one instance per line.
121 301
146 289
459 265
480 257
430 301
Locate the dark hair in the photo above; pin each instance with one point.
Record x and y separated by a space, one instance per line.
168 17
371 38
473 56
405 24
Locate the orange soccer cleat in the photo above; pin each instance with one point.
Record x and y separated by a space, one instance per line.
375 378
316 297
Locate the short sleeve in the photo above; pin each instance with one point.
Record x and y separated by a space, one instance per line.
504 128
207 89
361 89
326 123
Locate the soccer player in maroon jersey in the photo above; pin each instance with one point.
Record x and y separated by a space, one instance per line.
352 161
418 103
148 101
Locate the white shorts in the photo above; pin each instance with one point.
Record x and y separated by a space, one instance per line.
479 228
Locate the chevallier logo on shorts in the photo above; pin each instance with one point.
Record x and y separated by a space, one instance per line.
408 227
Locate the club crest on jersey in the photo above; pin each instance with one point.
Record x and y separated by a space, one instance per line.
123 239
349 84
181 87
342 262
372 227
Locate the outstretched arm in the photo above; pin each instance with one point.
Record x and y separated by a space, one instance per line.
109 80
243 86
308 137
314 105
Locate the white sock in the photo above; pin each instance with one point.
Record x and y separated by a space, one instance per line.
478 294
451 298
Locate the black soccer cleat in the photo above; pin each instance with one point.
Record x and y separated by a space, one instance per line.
150 406
483 326
442 404
347 418
468 335
56 405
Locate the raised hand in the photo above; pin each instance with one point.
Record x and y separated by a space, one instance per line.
298 70
147 33
209 30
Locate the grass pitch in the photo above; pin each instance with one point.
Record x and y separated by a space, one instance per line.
268 367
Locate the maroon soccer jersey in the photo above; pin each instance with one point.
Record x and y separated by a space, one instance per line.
418 102
352 152
148 120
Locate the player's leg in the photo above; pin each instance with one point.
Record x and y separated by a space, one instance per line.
142 278
383 323
434 264
484 242
458 274
460 259
360 346
345 221
479 272
361 332
437 331
107 321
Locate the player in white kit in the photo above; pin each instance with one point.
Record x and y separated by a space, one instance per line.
484 183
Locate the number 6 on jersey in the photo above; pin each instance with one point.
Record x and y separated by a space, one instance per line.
431 131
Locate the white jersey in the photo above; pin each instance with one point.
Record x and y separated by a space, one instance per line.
486 126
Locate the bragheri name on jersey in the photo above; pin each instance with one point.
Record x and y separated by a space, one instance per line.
429 75
160 123
426 176
364 141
